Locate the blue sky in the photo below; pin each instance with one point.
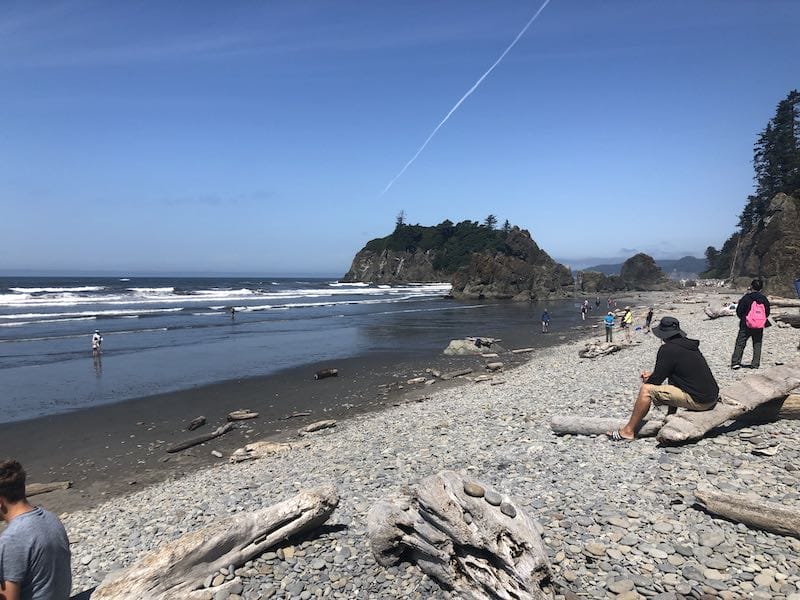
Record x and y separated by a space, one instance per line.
257 136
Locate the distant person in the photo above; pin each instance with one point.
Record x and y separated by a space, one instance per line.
597 303
691 384
610 302
627 323
97 342
648 320
34 548
752 310
233 313
583 311
609 323
545 321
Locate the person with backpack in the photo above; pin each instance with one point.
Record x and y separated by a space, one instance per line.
752 310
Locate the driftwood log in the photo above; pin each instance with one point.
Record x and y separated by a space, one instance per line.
258 450
196 422
716 313
177 569
494 366
317 426
454 374
735 400
223 429
467 538
782 408
522 351
34 489
242 415
751 510
595 349
778 302
564 424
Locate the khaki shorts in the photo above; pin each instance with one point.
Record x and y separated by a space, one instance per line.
670 395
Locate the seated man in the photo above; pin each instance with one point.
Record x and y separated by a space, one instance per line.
691 384
34 549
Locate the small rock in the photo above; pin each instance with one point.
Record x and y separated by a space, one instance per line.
473 489
493 497
508 509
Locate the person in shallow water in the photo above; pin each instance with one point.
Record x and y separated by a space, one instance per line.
97 342
691 384
34 548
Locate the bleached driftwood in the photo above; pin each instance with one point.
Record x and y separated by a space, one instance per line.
716 313
317 425
735 400
177 569
522 351
781 408
223 429
778 302
196 422
258 450
563 424
304 413
595 349
494 366
475 542
751 510
454 374
34 489
242 415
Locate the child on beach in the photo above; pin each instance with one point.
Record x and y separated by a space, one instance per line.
34 548
545 321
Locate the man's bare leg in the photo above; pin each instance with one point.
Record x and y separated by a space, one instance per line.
640 409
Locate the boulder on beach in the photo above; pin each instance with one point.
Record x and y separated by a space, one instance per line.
476 346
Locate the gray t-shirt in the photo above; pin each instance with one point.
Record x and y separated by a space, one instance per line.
34 552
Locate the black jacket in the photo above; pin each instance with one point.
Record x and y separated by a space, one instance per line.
746 302
679 359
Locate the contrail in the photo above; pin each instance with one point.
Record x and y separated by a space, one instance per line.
465 96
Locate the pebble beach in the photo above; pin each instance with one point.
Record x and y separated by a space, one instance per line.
617 518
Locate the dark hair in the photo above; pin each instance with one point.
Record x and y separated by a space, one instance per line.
12 481
757 284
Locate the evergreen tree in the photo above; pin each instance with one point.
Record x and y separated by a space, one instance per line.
400 220
490 222
506 227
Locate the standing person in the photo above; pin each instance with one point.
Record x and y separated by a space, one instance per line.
752 310
34 548
583 311
597 303
97 342
609 322
233 313
545 321
609 302
648 320
691 384
627 323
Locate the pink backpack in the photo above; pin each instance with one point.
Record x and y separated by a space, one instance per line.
757 316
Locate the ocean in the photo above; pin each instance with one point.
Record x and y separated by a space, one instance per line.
166 334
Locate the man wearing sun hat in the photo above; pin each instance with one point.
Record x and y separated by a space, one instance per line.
691 384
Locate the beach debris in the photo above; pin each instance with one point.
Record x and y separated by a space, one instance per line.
734 401
494 366
216 453
522 350
221 430
317 426
176 570
414 380
575 425
473 345
751 510
778 302
242 415
324 373
729 310
490 355
480 378
258 450
598 348
196 422
34 489
452 529
497 382
454 374
304 413
433 372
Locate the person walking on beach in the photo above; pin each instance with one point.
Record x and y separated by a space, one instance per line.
583 311
97 342
627 323
34 548
609 323
648 320
752 310
545 321
597 303
691 384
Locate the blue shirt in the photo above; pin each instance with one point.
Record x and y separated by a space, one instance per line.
609 320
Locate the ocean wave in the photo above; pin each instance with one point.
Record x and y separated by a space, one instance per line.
152 290
87 314
39 290
341 284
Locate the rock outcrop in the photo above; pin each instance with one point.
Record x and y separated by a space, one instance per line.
641 273
524 272
593 282
772 249
392 266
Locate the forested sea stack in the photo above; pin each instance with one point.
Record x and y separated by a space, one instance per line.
480 260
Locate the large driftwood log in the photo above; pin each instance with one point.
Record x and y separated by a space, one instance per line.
469 540
782 408
779 302
201 439
595 349
735 400
454 374
753 511
563 424
716 313
34 489
258 450
175 570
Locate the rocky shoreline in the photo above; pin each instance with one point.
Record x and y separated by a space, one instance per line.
618 518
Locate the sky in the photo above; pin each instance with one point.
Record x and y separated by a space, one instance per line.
257 137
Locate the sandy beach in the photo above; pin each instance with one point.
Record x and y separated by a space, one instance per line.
618 518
